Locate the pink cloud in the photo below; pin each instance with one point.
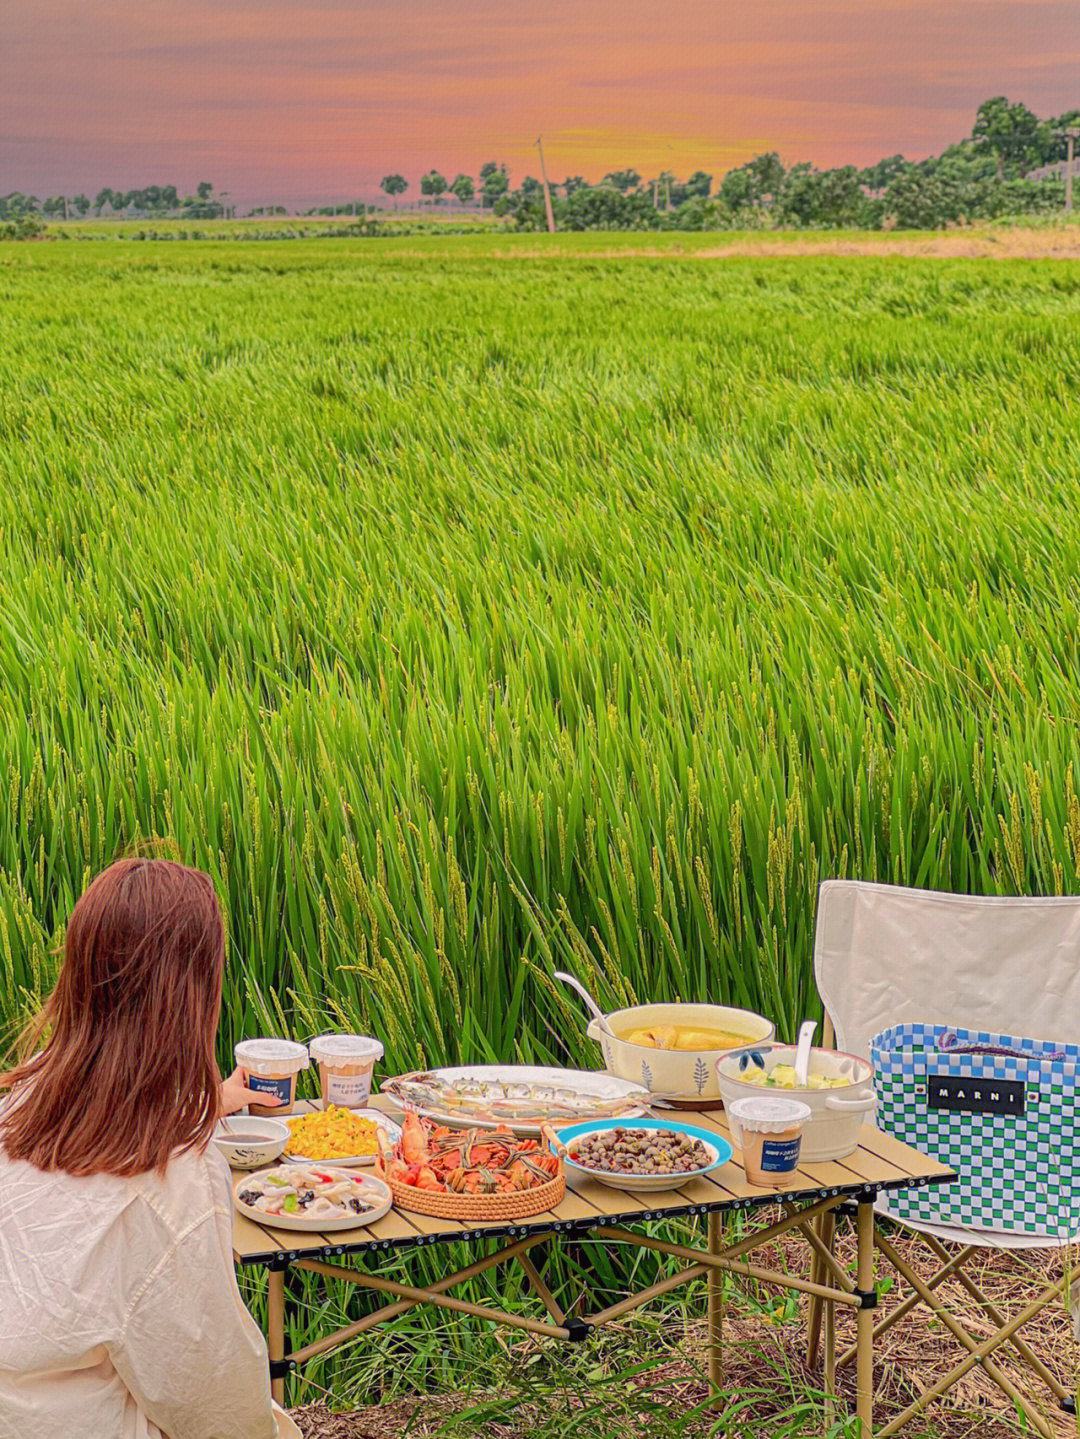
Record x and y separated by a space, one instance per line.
274 99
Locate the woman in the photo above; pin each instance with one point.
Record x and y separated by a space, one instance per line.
119 1312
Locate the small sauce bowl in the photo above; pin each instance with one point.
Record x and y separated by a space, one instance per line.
254 1144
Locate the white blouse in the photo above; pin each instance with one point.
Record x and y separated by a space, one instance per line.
120 1317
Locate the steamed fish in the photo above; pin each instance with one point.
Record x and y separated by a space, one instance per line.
515 1101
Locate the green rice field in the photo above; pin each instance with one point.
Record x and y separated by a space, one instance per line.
475 611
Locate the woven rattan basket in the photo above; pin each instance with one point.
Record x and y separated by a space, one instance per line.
481 1208
471 1208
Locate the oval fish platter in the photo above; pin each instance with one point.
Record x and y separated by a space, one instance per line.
524 1097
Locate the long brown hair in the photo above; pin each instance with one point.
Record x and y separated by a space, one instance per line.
127 1076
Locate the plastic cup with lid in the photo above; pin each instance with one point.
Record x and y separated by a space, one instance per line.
346 1062
270 1066
769 1131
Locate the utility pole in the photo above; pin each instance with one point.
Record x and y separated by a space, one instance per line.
1070 142
547 188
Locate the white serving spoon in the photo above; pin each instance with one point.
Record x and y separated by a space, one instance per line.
802 1053
597 1013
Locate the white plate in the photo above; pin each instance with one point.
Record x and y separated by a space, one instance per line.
376 1189
352 1161
593 1082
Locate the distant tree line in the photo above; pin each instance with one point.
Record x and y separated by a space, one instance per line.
152 201
494 182
346 207
1010 164
984 176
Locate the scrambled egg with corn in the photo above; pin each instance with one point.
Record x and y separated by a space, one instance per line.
332 1133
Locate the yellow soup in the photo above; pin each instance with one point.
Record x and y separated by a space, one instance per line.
682 1036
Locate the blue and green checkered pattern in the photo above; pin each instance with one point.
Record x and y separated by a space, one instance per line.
1018 1173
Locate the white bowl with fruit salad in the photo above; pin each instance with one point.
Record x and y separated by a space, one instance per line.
839 1093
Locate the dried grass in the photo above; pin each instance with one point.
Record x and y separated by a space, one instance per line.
919 1350
964 243
759 1347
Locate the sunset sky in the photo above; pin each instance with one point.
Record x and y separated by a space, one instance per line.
305 102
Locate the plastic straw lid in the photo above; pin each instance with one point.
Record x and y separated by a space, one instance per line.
329 1047
274 1056
768 1115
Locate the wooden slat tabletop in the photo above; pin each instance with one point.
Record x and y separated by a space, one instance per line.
879 1163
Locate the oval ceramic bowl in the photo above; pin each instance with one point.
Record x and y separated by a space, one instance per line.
679 1075
718 1149
382 1121
273 1137
378 1189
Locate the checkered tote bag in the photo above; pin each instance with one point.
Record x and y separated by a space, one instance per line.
1002 1112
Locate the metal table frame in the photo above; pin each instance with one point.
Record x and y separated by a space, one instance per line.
808 1209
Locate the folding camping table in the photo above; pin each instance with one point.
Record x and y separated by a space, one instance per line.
589 1208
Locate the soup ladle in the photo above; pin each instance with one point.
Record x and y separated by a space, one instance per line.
597 1012
802 1053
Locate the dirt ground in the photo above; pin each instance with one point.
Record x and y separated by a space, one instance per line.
1058 243
954 244
910 1358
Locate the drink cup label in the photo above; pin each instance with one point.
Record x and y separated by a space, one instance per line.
351 1091
263 1084
778 1156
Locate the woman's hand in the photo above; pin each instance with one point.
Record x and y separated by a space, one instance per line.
235 1094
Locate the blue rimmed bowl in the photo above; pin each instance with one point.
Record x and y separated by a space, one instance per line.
718 1149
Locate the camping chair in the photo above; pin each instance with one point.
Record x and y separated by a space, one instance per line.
885 955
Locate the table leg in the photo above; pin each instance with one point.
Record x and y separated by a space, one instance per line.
716 1304
826 1229
830 1362
276 1328
864 1318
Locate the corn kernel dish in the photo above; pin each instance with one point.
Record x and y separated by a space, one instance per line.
334 1134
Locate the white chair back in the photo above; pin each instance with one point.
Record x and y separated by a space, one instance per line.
886 955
